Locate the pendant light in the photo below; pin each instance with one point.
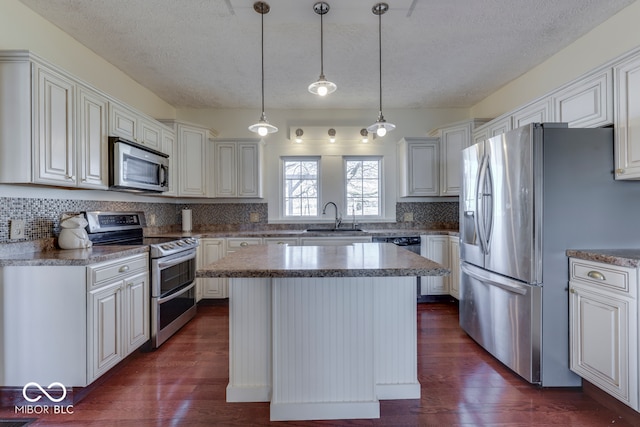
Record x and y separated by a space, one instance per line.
322 87
263 127
380 127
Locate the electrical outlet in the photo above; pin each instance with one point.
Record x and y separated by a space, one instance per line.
254 217
152 219
17 229
408 217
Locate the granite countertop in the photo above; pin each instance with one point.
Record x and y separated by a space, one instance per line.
386 232
71 257
355 260
620 257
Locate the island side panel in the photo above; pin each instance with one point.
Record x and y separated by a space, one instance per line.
396 337
249 340
323 349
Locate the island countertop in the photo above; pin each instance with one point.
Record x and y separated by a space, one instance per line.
355 260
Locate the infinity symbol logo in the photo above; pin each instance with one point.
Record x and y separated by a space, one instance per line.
43 391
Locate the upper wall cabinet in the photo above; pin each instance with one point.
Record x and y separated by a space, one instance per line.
453 139
537 112
627 122
170 148
585 103
418 160
128 124
52 127
495 127
237 166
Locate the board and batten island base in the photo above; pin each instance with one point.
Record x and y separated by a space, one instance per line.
322 332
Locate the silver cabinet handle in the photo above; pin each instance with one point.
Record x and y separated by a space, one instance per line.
124 268
596 275
244 244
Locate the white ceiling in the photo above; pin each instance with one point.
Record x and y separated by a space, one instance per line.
435 53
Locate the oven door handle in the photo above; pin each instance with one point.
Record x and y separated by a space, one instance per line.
177 294
173 261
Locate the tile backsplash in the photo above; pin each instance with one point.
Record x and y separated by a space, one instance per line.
42 216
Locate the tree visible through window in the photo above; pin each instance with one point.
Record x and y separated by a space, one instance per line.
301 187
363 180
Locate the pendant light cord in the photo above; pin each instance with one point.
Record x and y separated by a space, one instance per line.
262 55
321 42
380 56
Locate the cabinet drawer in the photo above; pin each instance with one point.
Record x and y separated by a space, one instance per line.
114 270
233 244
610 277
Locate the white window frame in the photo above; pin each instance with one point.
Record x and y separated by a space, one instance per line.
381 195
283 210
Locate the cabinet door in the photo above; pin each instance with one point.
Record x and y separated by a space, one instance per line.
169 148
225 169
499 126
436 248
419 167
602 344
454 266
334 241
192 145
122 122
249 169
627 119
92 139
587 102
538 112
150 134
54 145
212 250
105 331
136 312
452 141
291 241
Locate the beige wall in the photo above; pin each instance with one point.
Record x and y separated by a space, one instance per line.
21 28
609 40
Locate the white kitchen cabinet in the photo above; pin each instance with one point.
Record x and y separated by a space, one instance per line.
92 139
587 102
453 139
537 112
170 148
436 248
418 167
192 157
603 334
626 77
454 266
118 314
133 126
291 241
238 168
211 250
237 243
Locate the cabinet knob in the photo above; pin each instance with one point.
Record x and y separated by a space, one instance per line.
619 171
573 291
124 268
596 275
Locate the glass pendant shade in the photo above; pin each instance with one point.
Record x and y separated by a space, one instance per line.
263 127
380 127
322 87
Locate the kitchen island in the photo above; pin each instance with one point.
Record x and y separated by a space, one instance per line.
322 332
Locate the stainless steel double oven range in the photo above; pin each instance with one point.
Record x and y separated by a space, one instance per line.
172 268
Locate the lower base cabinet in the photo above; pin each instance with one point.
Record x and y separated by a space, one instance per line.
603 326
75 322
210 250
445 250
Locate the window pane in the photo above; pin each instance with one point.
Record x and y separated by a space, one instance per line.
300 187
363 187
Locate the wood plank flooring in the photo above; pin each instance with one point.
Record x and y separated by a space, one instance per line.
183 384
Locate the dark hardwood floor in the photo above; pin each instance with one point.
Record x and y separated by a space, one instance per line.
183 384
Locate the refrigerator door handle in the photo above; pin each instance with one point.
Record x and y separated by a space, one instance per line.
489 210
480 220
495 280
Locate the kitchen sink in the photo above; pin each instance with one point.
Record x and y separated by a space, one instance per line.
332 230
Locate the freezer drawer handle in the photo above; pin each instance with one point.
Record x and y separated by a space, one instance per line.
596 275
510 286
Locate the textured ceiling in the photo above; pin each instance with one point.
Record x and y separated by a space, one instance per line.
435 53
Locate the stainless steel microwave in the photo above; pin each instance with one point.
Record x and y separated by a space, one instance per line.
134 167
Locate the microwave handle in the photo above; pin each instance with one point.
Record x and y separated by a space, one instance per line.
164 176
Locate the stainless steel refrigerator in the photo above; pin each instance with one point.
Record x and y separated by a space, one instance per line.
529 195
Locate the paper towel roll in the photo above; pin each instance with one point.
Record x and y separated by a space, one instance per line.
186 220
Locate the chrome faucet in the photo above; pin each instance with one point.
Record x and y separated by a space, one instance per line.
338 220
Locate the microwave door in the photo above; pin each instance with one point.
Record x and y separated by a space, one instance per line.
471 247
